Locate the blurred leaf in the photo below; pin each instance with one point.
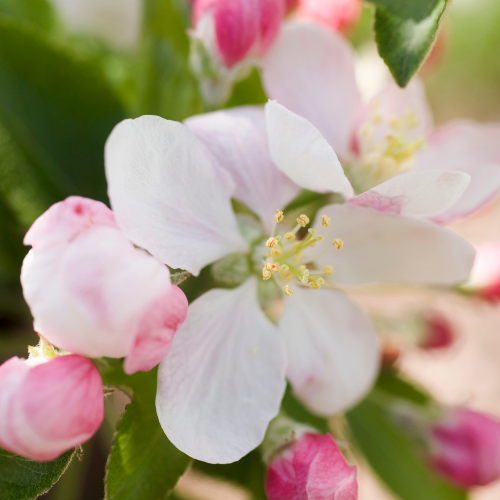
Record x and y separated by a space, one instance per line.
24 479
392 454
59 109
249 472
37 12
143 464
248 91
12 250
405 31
165 85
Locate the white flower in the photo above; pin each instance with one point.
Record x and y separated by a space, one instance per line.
222 381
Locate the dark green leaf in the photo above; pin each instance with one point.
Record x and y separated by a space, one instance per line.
249 472
59 109
37 12
392 454
23 479
143 464
12 250
405 31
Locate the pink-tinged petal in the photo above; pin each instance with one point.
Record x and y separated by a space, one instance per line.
310 71
381 247
332 348
67 219
223 378
88 296
312 468
466 448
420 194
338 15
169 195
49 408
395 102
468 147
237 138
271 16
300 152
156 331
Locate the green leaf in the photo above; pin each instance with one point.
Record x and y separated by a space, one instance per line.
165 85
24 479
249 472
59 109
12 250
40 13
392 454
143 464
405 31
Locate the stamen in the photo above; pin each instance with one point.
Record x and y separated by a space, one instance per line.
289 236
279 216
271 267
271 242
325 221
328 270
303 220
338 243
287 291
275 252
266 274
314 285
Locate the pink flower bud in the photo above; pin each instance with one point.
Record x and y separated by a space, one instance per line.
466 448
243 28
311 468
485 275
438 332
48 406
338 15
91 292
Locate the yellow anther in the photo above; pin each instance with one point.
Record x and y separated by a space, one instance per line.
377 118
271 267
325 221
287 290
289 236
302 268
338 243
271 242
266 274
275 252
328 270
303 220
279 216
314 285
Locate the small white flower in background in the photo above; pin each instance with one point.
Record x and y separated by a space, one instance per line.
170 187
118 22
311 71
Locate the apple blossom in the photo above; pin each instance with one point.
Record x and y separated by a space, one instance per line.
227 37
465 447
312 467
485 276
338 15
48 405
92 293
311 72
222 381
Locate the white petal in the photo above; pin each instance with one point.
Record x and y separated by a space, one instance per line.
237 138
394 102
421 194
88 296
332 349
223 378
310 70
169 195
469 147
381 247
302 153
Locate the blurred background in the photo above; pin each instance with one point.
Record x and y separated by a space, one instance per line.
73 72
